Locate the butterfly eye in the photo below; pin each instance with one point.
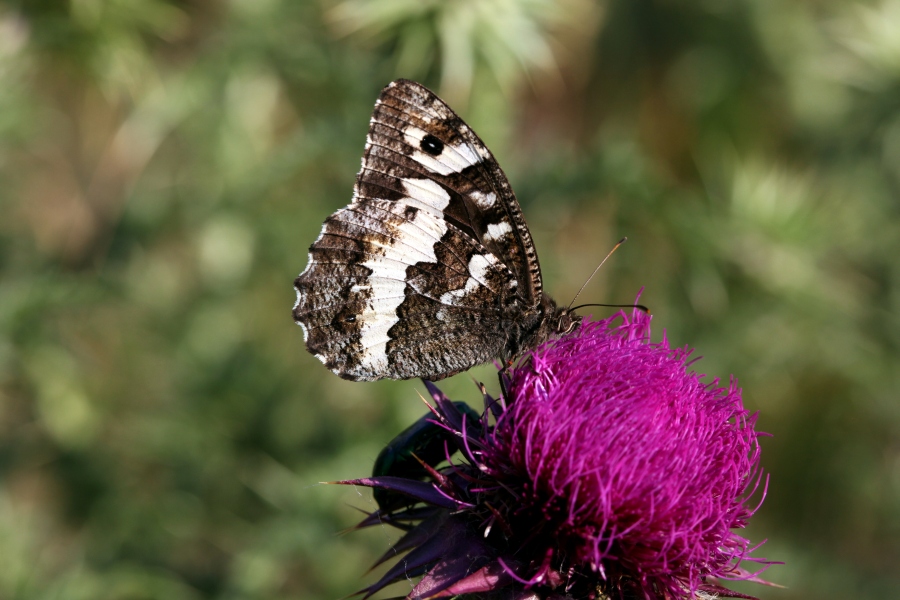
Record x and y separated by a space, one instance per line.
432 145
567 324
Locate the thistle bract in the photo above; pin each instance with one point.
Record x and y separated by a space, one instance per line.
608 470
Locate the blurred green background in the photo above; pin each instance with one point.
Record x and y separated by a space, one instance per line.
164 166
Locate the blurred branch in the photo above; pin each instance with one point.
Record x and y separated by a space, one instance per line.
512 40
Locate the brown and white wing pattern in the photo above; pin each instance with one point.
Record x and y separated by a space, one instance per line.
411 122
422 274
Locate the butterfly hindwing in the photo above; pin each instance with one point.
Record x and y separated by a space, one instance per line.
431 269
388 290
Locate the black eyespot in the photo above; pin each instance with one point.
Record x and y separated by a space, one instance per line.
344 321
432 145
410 212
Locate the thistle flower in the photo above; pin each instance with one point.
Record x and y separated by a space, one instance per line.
608 471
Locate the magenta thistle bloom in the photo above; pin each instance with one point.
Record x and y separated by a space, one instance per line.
609 471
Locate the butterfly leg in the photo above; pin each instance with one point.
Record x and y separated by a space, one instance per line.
505 382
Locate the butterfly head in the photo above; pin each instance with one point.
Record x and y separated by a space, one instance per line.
557 320
566 320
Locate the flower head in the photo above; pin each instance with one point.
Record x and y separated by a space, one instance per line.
610 470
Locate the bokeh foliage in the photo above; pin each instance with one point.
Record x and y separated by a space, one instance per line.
164 165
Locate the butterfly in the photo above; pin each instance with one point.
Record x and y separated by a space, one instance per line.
431 269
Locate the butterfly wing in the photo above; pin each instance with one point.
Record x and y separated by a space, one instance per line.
416 277
411 122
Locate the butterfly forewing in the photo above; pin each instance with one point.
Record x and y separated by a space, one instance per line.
482 201
431 266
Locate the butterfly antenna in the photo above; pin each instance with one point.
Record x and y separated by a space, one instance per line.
616 247
640 307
